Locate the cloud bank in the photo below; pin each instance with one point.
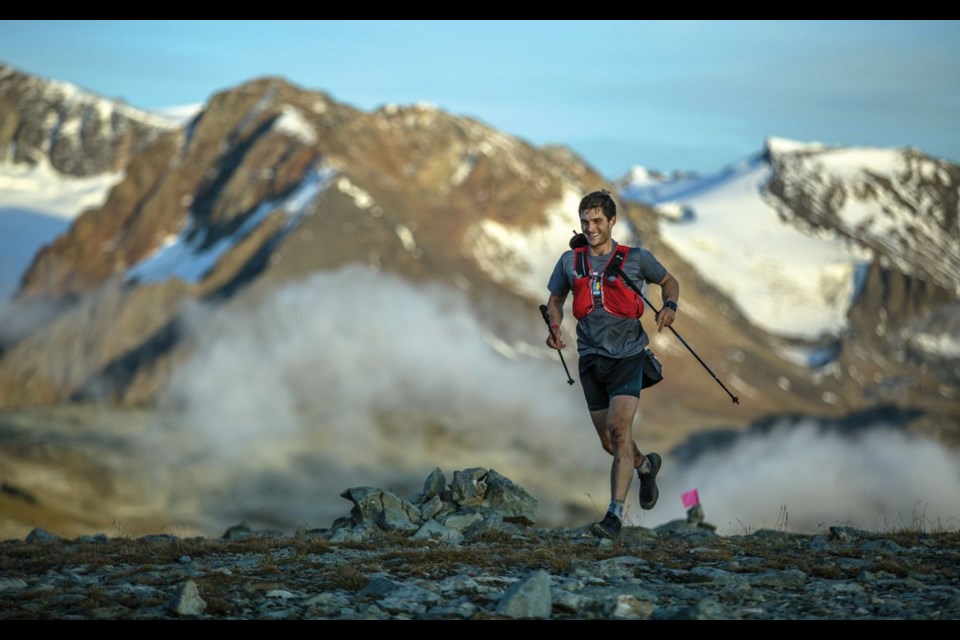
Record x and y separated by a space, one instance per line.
356 378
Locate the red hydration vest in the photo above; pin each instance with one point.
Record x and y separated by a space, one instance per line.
617 298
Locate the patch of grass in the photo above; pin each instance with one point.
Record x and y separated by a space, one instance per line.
494 536
556 561
715 555
829 571
685 578
745 528
348 578
891 566
220 607
783 519
918 522
781 522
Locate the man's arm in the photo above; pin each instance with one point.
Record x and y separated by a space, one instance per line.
555 312
670 290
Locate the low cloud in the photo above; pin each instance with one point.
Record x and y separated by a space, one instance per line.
804 477
356 378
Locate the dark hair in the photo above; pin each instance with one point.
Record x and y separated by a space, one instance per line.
599 200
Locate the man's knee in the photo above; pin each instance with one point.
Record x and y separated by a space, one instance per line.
620 436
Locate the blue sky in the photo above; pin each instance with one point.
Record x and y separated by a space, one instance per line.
667 95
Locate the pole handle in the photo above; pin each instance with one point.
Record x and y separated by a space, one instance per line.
546 318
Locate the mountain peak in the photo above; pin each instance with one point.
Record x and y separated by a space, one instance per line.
775 146
639 176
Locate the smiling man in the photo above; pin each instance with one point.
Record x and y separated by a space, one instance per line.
611 342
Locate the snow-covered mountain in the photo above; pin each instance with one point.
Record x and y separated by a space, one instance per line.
78 132
785 281
790 233
61 151
899 204
269 182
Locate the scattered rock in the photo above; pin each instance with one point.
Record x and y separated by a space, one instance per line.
529 597
42 535
187 601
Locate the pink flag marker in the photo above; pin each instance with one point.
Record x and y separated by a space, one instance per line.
690 499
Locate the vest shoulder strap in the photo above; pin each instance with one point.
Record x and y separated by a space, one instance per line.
613 267
581 267
580 262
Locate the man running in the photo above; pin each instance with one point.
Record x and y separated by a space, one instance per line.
611 342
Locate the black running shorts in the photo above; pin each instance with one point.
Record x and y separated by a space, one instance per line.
602 378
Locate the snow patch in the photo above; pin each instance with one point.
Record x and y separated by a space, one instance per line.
182 257
180 115
779 146
523 259
291 122
42 188
407 240
937 343
462 171
785 281
360 197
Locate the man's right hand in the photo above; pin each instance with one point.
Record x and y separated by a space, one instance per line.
554 340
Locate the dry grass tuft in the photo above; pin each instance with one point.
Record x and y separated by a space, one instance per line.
347 578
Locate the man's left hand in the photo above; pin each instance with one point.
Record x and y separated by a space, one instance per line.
665 318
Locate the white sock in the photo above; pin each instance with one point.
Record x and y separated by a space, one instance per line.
616 508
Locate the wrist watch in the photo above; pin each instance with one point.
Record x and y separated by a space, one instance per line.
670 304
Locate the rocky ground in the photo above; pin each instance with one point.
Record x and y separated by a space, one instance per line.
672 573
469 550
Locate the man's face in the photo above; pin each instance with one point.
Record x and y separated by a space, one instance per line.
596 227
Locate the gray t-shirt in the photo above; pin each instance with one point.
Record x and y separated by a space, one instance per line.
600 332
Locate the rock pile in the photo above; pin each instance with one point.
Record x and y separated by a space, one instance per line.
477 501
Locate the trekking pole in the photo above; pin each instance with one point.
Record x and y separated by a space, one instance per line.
627 279
546 318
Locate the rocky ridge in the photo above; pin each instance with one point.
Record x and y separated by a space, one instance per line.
77 132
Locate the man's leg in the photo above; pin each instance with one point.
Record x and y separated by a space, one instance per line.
647 466
599 419
612 390
614 425
619 428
